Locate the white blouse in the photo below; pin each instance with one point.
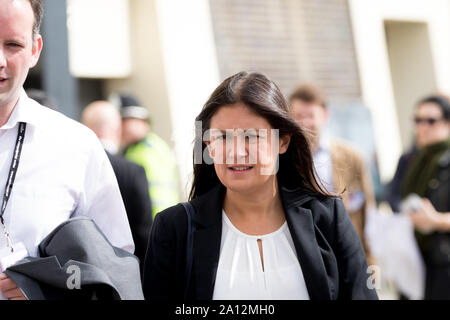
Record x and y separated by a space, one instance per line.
240 274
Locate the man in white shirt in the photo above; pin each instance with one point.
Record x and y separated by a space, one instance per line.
60 168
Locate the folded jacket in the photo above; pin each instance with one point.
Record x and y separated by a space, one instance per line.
78 262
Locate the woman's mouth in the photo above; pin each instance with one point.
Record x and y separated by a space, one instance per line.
240 169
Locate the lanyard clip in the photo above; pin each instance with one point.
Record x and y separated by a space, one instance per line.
9 243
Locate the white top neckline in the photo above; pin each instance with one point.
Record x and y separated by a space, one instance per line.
240 274
249 236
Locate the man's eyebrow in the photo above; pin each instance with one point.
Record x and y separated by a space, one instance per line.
16 39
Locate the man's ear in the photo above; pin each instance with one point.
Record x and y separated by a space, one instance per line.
37 49
284 143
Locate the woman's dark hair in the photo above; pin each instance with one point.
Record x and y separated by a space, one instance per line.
442 101
263 97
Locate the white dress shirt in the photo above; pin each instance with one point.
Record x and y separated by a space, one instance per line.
323 164
63 173
240 274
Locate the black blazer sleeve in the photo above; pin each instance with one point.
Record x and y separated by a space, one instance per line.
354 276
163 277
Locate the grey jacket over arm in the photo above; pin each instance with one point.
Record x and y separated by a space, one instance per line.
78 262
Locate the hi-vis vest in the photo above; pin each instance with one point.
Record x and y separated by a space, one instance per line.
161 170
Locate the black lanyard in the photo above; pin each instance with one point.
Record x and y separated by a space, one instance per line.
12 175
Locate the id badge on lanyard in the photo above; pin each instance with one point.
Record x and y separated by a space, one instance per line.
12 253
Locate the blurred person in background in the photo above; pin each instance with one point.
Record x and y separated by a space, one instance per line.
428 176
41 97
52 168
393 191
339 167
147 149
104 119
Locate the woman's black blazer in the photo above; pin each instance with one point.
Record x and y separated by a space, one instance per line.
328 248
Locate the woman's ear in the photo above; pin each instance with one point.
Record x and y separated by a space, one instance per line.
284 143
210 149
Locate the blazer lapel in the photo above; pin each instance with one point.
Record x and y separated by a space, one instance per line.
301 227
207 239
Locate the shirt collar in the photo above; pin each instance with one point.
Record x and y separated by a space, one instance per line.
324 143
24 111
109 146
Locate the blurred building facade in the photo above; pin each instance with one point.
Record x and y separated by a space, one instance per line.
381 56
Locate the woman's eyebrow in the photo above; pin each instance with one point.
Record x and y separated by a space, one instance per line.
218 131
241 129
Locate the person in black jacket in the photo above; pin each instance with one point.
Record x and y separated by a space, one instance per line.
427 175
393 189
134 190
262 227
104 119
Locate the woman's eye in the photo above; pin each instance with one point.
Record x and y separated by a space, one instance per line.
220 137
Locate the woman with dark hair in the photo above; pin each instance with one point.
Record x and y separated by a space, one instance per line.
428 175
258 225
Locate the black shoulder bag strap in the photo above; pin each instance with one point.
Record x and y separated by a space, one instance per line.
190 211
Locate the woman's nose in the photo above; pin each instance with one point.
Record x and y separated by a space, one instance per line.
237 149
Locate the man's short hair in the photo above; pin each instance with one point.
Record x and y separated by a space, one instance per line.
309 94
38 11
